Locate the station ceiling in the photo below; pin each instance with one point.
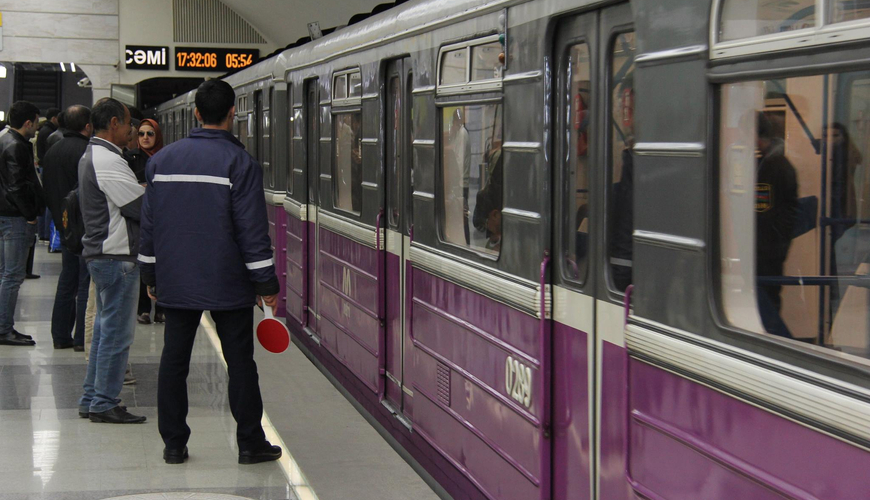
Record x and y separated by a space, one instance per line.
282 22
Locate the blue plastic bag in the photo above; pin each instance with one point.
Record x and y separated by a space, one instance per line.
54 242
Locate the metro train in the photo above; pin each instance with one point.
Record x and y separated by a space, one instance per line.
582 249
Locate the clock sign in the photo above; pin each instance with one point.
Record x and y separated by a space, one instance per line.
214 59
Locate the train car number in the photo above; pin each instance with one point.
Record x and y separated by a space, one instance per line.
518 381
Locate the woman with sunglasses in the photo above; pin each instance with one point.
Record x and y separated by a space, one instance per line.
150 141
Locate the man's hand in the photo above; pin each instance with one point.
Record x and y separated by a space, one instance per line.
32 222
152 292
271 301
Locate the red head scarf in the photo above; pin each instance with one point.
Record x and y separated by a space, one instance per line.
158 137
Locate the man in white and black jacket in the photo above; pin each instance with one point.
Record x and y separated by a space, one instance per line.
111 201
205 247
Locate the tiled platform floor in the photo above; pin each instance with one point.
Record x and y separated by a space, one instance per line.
48 452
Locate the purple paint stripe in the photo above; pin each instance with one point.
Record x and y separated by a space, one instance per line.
297 265
331 349
296 292
477 331
333 258
723 458
461 468
347 332
476 381
493 446
356 304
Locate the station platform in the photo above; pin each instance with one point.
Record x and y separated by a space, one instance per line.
47 452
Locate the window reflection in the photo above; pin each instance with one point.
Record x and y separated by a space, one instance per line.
576 240
749 18
471 160
485 62
793 164
848 10
348 161
621 200
453 66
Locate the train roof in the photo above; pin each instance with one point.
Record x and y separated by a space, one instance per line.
397 22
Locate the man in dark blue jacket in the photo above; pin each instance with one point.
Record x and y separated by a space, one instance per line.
205 247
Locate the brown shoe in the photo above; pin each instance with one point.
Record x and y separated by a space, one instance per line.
144 319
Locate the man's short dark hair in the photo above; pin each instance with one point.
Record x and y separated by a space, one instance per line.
21 112
51 113
214 99
104 110
135 113
61 119
77 117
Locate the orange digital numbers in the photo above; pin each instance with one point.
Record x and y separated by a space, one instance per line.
203 59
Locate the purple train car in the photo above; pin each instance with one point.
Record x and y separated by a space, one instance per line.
585 250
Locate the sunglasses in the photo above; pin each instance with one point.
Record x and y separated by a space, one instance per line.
150 133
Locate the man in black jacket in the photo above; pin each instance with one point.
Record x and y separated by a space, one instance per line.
21 201
57 135
60 176
48 127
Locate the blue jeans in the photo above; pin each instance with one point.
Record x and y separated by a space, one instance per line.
117 285
71 299
16 237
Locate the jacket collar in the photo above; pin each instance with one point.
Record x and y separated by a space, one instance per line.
70 133
210 133
96 141
18 137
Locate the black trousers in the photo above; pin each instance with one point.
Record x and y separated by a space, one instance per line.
145 302
236 332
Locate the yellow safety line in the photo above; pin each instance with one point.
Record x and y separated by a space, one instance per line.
288 464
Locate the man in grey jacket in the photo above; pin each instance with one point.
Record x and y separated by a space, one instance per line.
111 200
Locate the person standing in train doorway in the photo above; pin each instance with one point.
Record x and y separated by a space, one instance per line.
776 209
218 186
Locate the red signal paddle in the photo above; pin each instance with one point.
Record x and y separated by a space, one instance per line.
272 334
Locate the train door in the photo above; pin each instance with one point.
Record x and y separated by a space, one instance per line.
256 145
594 57
398 224
312 167
574 275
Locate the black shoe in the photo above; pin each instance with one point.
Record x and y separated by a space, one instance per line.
32 277
12 339
117 415
66 344
84 414
21 335
144 319
266 454
79 348
159 318
175 456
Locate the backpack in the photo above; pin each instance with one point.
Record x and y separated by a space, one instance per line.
73 229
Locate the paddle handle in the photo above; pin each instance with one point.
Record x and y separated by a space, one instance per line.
267 310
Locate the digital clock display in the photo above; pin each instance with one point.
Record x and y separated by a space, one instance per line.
207 59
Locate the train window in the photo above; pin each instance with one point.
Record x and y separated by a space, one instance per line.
793 165
394 138
340 91
347 173
486 61
620 209
750 18
471 171
576 225
453 67
840 11
354 85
